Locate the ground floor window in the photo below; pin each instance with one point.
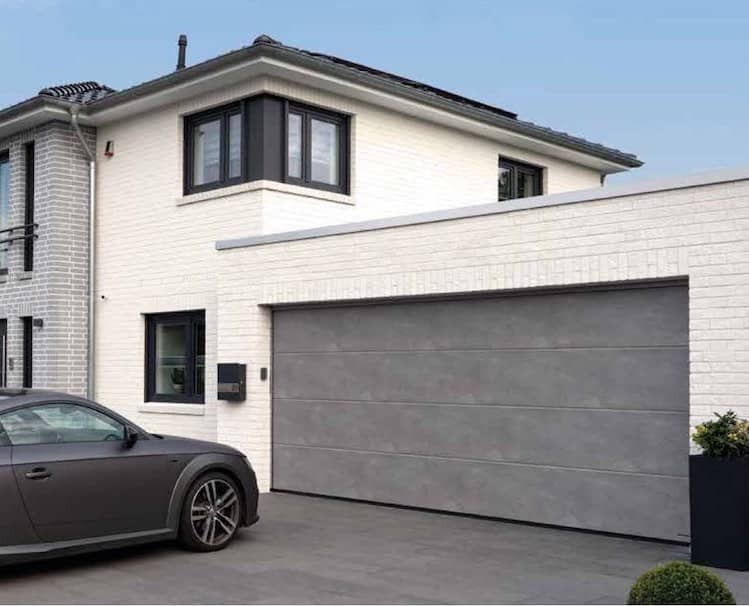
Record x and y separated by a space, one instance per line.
175 357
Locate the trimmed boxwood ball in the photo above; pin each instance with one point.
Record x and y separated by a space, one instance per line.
679 583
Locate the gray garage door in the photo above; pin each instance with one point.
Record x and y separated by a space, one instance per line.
567 408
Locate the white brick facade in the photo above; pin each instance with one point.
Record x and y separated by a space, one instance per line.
155 247
160 257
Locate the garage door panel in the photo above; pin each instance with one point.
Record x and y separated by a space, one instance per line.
600 439
626 318
607 378
637 504
568 408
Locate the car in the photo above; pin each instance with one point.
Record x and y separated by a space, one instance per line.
77 477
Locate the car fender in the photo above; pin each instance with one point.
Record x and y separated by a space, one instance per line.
204 463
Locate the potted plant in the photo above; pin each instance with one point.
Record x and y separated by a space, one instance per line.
679 583
719 493
178 380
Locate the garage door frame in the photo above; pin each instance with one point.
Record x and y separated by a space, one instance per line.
676 281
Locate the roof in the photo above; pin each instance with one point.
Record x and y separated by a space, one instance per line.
96 98
82 93
62 98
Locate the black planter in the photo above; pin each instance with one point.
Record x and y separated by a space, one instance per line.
719 511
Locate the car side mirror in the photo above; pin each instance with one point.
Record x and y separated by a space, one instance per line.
131 436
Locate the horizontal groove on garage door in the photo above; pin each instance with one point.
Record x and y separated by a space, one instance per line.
490 462
489 405
567 408
396 351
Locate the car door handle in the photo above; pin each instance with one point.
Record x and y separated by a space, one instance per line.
38 473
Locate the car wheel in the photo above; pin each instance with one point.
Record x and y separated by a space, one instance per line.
211 513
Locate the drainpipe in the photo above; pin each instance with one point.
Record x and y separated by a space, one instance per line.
91 250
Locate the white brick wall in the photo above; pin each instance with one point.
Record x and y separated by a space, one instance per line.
155 249
700 232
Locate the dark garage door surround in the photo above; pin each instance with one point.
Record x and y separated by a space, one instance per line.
561 407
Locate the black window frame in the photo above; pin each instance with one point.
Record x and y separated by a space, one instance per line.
308 113
5 157
516 168
222 114
28 351
28 243
191 319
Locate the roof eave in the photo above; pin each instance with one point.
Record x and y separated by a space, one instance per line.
31 113
614 159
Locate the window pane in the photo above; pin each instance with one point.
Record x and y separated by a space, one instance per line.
207 152
4 206
199 373
505 183
526 184
324 151
235 146
60 423
295 146
171 358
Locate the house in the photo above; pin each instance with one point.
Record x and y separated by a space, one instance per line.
412 297
44 246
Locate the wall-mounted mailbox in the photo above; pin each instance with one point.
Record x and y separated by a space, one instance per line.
231 382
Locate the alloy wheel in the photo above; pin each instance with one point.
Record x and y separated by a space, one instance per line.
214 512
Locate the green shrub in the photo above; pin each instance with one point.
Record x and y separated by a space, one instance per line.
679 583
727 436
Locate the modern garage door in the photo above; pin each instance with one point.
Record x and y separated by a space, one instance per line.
566 408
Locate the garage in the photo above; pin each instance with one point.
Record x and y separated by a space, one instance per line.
568 408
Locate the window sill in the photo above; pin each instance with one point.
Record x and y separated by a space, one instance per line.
25 275
172 408
286 188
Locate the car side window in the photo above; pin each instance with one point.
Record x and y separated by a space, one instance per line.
59 423
4 441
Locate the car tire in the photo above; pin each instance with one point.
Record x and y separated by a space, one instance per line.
211 513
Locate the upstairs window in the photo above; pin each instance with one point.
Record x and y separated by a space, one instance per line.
317 148
266 137
518 180
214 154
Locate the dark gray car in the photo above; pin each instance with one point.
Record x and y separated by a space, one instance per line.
75 476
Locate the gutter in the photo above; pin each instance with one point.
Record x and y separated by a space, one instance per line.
91 359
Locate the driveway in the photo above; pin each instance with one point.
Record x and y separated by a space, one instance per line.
307 549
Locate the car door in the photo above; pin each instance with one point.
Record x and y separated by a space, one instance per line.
15 528
77 477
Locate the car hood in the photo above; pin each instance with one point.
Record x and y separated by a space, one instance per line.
188 445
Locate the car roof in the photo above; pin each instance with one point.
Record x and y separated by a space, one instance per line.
12 398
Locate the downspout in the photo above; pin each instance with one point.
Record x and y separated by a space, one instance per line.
90 358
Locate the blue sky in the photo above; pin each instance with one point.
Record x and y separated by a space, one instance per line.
664 79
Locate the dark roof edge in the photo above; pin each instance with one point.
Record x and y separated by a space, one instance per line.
327 67
31 104
713 177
